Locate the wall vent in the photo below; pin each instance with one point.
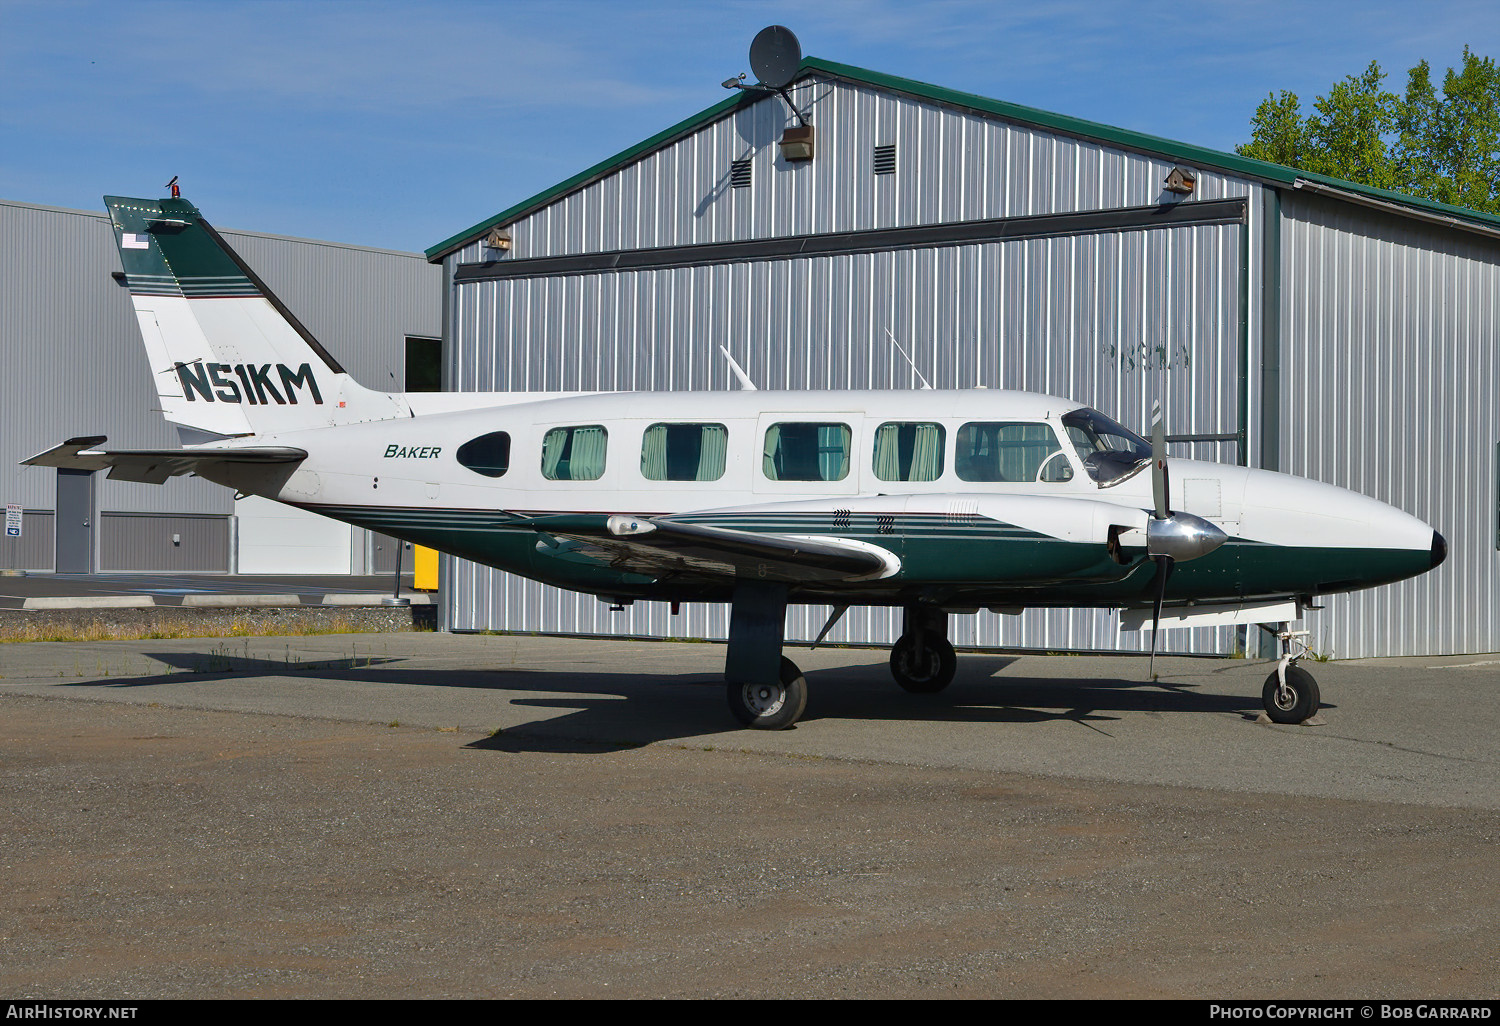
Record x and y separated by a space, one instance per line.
885 159
739 174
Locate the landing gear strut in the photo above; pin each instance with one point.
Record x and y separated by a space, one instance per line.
1290 694
922 660
765 689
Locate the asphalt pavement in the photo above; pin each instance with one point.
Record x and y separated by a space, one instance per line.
424 815
1407 730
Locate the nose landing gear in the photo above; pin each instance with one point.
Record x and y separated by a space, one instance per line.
1290 694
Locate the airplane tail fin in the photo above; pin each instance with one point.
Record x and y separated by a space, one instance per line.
228 358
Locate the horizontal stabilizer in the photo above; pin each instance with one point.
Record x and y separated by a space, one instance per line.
658 545
153 466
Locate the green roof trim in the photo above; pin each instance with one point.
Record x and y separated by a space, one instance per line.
1139 142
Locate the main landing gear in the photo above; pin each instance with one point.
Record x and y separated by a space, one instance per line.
922 660
765 689
1290 694
770 706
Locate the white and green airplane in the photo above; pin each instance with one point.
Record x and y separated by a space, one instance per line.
933 501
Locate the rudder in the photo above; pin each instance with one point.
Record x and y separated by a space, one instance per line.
227 357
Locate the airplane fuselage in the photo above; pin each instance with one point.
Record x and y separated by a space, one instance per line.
958 543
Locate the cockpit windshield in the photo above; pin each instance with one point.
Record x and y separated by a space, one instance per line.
1110 453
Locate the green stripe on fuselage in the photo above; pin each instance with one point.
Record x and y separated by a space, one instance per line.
991 562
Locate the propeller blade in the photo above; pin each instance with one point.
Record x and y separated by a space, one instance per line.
1163 572
1160 491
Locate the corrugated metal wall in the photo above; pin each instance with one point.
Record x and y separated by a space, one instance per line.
1391 387
951 166
359 303
161 542
1108 319
75 364
34 549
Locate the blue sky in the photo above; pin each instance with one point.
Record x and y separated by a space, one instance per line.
400 124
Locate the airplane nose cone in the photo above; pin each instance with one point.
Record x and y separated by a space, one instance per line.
1182 536
1439 549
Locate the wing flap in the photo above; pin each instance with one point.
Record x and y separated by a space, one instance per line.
659 546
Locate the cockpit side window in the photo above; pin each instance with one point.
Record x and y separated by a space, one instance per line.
488 454
1009 452
1110 453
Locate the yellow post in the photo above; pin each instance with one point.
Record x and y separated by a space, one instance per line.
424 568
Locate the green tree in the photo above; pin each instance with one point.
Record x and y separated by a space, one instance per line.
1278 132
1443 147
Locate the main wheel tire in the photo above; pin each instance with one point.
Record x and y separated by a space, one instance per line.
771 706
1300 700
926 672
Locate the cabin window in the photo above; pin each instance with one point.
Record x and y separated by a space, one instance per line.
488 454
574 453
684 452
909 452
807 452
1009 452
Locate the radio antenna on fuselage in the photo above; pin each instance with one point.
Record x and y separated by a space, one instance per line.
739 372
908 359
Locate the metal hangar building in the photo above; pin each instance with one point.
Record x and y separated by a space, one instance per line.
1286 320
75 366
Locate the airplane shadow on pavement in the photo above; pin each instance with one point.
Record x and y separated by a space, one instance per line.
596 710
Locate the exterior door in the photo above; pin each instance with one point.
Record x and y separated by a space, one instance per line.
77 522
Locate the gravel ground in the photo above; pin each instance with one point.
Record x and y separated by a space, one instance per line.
179 621
158 841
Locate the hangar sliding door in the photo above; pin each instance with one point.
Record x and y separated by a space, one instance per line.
1113 319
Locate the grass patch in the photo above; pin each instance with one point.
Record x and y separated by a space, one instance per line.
162 627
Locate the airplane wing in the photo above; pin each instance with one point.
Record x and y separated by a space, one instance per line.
658 546
153 466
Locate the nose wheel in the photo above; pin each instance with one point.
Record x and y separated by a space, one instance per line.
1290 694
770 706
1292 698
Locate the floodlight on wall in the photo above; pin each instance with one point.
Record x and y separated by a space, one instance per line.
497 239
1182 180
797 143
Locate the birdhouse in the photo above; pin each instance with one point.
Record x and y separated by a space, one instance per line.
1181 180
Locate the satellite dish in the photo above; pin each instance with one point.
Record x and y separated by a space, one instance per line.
775 55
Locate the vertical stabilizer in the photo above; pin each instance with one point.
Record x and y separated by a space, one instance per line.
227 357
